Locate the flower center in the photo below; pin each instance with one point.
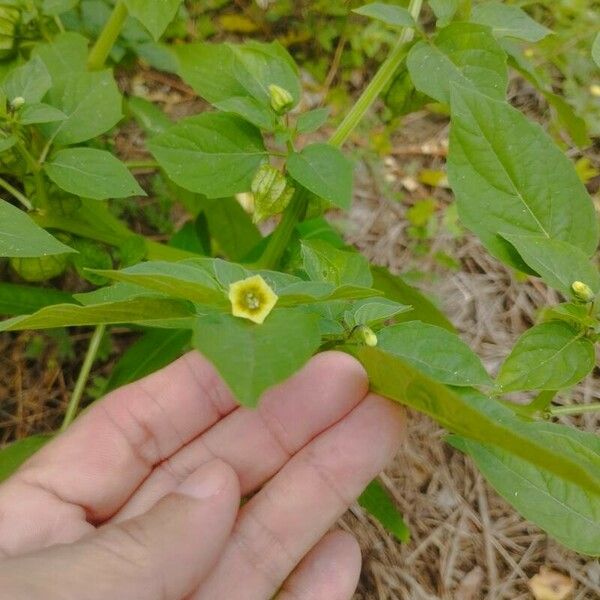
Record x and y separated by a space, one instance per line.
252 301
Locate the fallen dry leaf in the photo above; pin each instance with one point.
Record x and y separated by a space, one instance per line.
550 585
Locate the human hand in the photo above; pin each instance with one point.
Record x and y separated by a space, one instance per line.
140 497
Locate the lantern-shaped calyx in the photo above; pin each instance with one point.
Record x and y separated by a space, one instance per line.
252 299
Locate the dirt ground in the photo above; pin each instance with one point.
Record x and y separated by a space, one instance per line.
467 543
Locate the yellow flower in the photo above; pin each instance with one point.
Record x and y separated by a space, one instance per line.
252 299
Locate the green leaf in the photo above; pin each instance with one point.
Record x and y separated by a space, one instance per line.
251 110
18 299
444 10
148 115
373 310
470 414
558 263
15 454
141 310
231 227
214 154
506 20
154 350
510 178
436 352
154 15
54 8
7 143
32 114
323 262
252 358
596 49
550 356
92 103
390 14
67 53
312 120
325 171
20 236
462 53
396 289
378 502
30 81
178 280
567 511
92 173
223 74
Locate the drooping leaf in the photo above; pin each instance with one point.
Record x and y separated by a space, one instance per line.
444 10
92 173
509 178
20 236
462 53
377 501
252 358
324 171
178 280
16 299
438 353
470 414
390 14
30 81
558 263
323 262
15 454
212 153
568 512
156 311
312 120
549 356
374 310
92 103
148 116
395 288
154 15
507 20
154 350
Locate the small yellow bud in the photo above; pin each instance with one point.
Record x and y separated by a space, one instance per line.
582 291
252 299
17 102
368 336
595 90
281 99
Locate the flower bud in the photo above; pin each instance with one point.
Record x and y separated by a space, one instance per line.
17 103
252 299
271 192
281 99
367 336
582 291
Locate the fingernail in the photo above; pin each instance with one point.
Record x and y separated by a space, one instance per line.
206 481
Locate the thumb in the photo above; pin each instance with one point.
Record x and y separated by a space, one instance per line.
163 554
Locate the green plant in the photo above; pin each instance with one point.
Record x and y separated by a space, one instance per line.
260 307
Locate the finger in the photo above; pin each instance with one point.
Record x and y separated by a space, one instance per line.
330 571
99 461
280 524
161 555
258 442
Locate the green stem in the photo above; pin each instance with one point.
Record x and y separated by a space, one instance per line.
541 402
379 81
82 378
38 177
105 42
142 164
281 236
16 193
575 409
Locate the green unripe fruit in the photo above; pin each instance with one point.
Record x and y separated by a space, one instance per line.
582 291
271 192
40 268
10 18
367 336
281 100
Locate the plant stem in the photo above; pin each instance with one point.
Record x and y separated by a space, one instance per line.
378 83
38 177
574 409
82 378
540 403
281 236
16 193
142 164
101 49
